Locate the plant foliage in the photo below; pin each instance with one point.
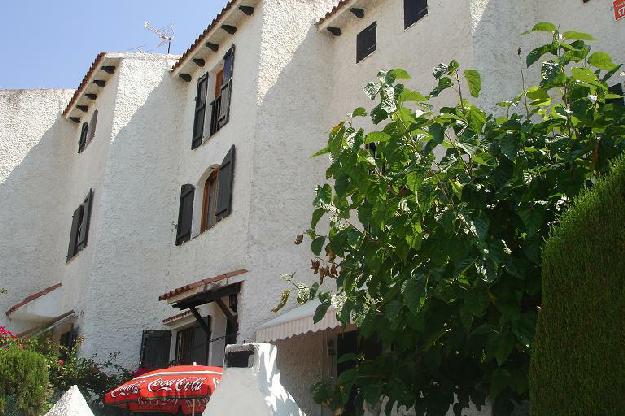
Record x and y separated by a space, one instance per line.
578 360
23 380
434 223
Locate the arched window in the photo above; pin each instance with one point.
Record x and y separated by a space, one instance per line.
83 137
185 215
209 200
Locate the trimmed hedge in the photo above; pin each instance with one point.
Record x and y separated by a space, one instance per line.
578 357
23 381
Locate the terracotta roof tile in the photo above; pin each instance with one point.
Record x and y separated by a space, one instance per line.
334 10
32 297
83 84
206 31
200 283
176 317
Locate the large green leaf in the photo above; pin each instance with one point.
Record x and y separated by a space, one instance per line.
571 34
544 27
474 80
601 60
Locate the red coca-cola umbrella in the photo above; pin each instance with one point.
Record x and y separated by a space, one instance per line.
182 389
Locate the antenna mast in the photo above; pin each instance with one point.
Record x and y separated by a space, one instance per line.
166 35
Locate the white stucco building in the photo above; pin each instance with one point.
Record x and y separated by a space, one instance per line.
180 182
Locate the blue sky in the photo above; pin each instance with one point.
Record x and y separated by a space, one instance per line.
50 44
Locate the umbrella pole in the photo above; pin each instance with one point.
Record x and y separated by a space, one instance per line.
193 407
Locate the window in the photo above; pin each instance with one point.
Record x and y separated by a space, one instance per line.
220 106
414 10
365 42
618 90
80 227
155 347
185 215
82 141
192 345
352 343
209 201
68 341
216 200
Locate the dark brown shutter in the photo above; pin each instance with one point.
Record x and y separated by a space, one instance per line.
226 89
200 111
83 137
214 124
155 347
92 126
71 250
228 64
414 10
83 232
366 42
200 344
226 176
185 215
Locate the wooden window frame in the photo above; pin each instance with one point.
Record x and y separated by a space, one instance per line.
223 93
189 332
211 192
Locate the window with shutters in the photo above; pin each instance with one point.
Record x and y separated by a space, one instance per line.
214 86
185 214
213 204
209 201
79 231
82 141
155 346
193 345
366 42
220 106
414 10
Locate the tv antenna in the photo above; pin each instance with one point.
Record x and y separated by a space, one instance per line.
166 34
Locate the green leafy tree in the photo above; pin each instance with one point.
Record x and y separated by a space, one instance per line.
434 224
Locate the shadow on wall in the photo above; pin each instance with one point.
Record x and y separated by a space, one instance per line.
33 218
138 203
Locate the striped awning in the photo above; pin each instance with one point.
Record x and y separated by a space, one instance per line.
297 321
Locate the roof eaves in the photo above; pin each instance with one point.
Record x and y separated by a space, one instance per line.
32 297
85 81
329 16
199 42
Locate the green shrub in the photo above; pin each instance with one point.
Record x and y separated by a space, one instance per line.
23 381
578 359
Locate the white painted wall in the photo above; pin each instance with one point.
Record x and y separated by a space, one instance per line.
291 83
32 193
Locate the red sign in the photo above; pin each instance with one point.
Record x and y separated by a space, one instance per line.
619 9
